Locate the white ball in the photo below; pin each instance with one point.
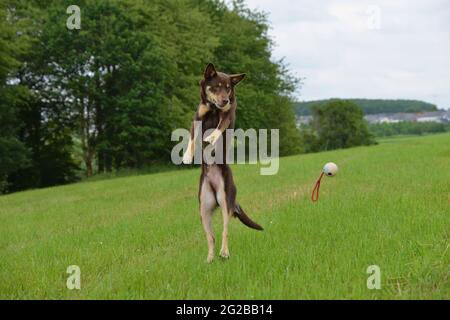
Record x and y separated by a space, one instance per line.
330 169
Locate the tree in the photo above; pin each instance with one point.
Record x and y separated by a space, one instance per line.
13 153
108 95
35 123
340 124
373 106
123 79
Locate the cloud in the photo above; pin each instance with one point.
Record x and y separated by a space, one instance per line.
373 49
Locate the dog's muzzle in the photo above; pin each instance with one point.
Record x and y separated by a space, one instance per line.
217 105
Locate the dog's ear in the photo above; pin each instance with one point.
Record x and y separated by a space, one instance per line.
210 71
236 78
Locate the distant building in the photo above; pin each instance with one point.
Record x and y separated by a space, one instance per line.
303 120
429 119
442 116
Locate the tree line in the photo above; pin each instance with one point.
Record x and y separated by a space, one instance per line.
373 106
408 128
107 96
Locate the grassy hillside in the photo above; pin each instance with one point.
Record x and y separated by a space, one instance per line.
140 237
374 106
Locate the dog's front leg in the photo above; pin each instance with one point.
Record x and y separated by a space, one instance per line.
217 133
188 156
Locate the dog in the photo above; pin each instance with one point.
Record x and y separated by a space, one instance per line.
217 110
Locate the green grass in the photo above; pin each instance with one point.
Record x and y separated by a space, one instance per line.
141 237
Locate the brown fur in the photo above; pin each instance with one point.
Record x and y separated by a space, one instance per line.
217 110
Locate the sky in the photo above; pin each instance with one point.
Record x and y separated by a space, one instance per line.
364 49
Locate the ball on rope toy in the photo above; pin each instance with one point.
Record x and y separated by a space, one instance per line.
329 170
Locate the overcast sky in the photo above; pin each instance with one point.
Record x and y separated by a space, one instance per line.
364 49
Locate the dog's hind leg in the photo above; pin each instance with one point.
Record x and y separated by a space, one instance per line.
207 206
222 200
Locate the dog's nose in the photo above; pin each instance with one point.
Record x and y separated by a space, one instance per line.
225 102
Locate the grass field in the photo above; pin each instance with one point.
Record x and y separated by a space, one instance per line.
141 237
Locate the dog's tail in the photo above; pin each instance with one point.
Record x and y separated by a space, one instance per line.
245 219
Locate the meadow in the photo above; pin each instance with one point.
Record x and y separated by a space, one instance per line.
140 237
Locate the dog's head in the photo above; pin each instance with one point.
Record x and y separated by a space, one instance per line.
217 88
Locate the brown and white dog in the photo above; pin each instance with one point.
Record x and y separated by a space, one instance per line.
217 110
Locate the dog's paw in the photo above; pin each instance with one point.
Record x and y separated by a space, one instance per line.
225 254
213 137
188 158
210 259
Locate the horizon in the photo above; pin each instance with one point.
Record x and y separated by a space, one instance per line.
372 99
388 51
